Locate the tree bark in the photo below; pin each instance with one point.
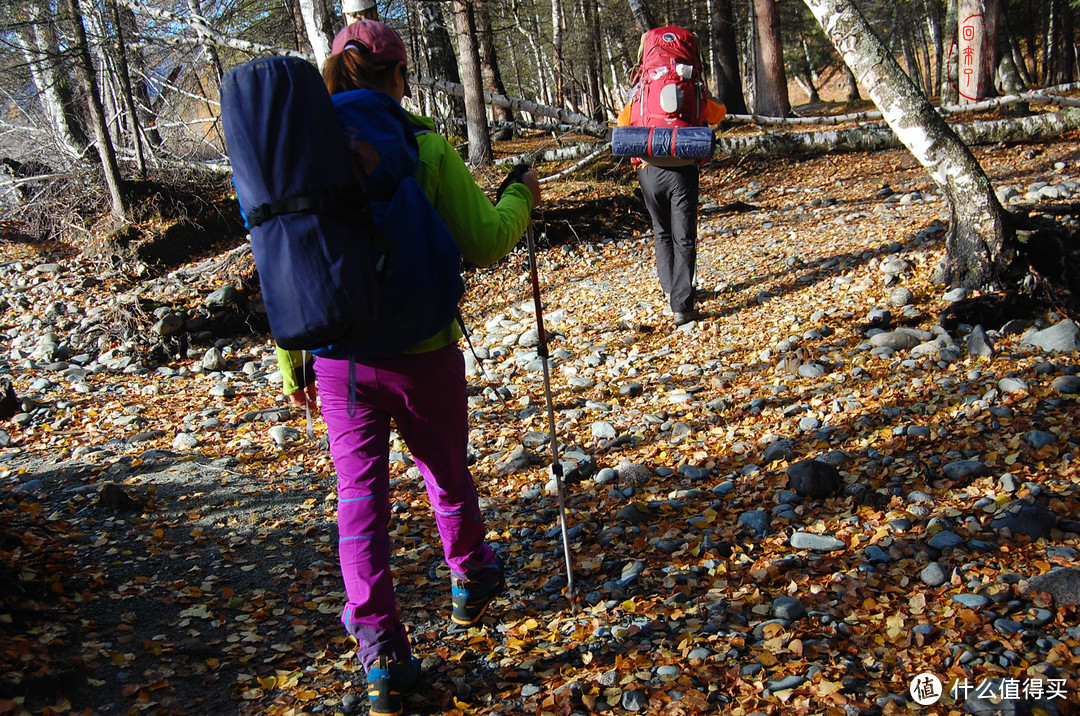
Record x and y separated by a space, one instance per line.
37 41
593 72
128 95
725 57
770 96
978 248
137 62
949 82
84 71
441 60
642 17
318 23
489 67
469 62
557 52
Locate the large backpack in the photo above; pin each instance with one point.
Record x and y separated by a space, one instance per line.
349 266
668 89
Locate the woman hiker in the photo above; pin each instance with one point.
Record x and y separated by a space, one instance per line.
422 391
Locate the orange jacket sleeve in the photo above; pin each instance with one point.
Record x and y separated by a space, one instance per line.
714 112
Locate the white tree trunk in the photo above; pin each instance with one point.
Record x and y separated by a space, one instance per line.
319 32
977 250
39 49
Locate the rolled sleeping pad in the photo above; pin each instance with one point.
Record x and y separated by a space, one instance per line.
676 142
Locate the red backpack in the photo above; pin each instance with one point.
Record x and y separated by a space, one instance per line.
667 88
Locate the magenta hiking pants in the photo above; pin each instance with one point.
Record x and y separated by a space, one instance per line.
424 394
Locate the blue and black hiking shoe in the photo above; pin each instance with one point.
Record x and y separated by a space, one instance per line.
388 683
471 598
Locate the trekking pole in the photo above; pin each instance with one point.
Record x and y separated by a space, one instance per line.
556 466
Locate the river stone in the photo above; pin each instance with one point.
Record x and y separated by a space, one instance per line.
971 601
1026 517
1013 385
1067 384
965 469
813 478
1063 336
901 296
897 340
934 574
816 542
788 608
634 513
633 473
979 344
635 700
757 520
1039 438
945 540
778 450
1063 584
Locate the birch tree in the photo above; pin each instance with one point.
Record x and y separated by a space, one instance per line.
978 246
319 26
557 50
37 39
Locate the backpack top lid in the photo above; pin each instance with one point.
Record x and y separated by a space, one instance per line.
283 136
669 46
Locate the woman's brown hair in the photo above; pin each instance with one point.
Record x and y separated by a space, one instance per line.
353 68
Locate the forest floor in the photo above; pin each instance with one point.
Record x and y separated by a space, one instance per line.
168 531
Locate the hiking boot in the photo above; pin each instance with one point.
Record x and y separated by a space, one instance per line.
388 683
683 317
471 598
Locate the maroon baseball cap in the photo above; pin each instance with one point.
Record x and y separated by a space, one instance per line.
385 44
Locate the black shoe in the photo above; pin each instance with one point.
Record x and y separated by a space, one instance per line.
388 683
471 598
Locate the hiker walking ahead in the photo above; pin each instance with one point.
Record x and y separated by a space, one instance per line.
668 91
422 390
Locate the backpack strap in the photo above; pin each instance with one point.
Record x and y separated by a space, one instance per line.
351 197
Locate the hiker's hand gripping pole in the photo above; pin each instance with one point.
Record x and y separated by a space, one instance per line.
556 466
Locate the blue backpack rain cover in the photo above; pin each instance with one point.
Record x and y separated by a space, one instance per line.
302 200
350 265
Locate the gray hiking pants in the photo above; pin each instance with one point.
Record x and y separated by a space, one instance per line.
671 195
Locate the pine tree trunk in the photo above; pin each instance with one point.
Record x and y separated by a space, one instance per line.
978 248
469 63
770 96
725 57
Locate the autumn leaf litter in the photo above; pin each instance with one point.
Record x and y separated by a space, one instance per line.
147 574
